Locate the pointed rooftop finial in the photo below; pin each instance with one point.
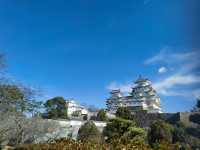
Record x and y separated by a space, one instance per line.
140 76
141 79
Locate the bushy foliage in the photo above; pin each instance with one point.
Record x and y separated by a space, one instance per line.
16 101
64 144
159 132
179 134
136 144
101 115
89 133
186 137
69 144
15 97
116 128
56 108
135 133
167 146
124 130
124 112
193 131
195 118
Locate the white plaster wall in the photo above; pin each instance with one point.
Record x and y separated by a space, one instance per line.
69 127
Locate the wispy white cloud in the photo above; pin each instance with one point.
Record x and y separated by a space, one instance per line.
196 93
184 74
175 80
162 70
166 85
182 80
157 58
189 60
125 88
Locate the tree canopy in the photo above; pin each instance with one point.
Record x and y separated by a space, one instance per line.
124 112
56 108
89 133
195 118
123 129
160 132
11 97
101 115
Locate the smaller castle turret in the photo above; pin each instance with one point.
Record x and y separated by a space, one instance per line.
115 101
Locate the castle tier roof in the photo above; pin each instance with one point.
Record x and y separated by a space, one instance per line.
115 91
141 80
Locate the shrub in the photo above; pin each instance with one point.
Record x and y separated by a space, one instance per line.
124 112
159 132
89 133
118 144
101 115
69 144
63 144
193 132
179 133
135 133
123 130
195 118
56 108
167 146
116 128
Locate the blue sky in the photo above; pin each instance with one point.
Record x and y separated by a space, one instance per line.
82 48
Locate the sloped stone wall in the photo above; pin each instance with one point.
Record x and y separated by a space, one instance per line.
144 119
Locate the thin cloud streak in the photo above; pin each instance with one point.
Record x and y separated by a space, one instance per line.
183 79
125 88
185 75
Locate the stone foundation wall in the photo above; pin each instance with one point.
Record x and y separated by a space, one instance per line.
144 119
185 118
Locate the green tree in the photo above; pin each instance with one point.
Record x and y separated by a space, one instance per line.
12 98
123 129
160 132
116 128
134 132
101 115
124 112
89 133
179 133
56 108
195 118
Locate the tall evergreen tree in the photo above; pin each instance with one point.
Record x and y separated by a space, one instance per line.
56 108
101 115
89 133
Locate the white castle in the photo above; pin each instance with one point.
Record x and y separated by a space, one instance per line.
142 97
73 106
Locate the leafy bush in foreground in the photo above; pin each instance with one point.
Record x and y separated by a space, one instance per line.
69 144
89 133
159 132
